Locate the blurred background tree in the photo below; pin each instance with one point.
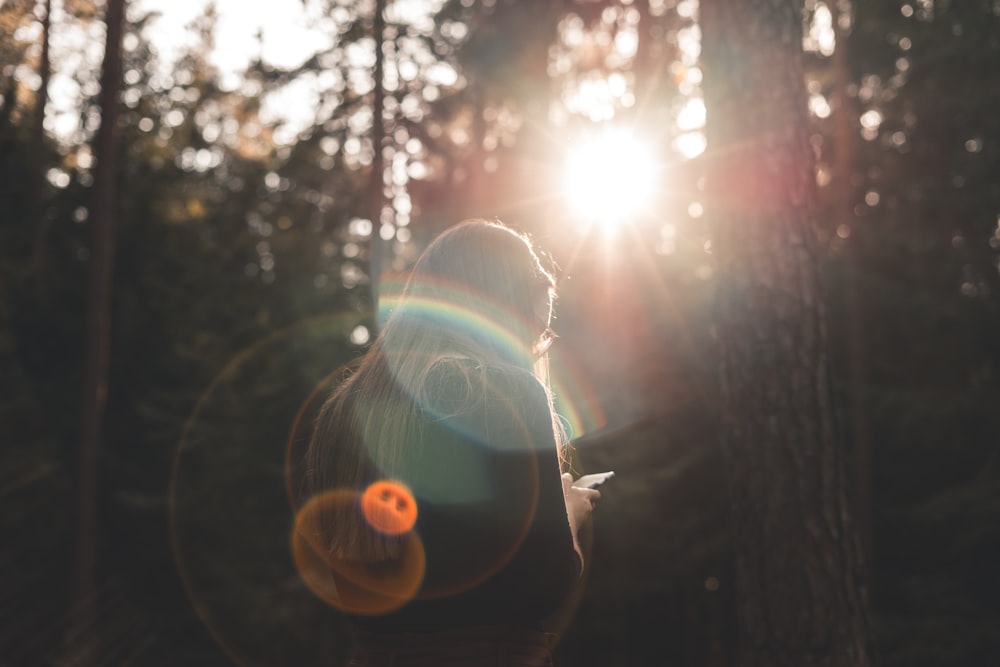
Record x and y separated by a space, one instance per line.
242 282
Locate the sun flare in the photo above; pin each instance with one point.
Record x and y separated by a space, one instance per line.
609 179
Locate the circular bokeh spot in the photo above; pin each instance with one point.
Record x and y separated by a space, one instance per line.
353 585
389 507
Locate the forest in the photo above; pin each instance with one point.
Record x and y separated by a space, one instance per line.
776 230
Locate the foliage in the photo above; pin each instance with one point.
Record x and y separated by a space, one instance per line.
239 235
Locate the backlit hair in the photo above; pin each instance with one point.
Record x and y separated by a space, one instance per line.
473 294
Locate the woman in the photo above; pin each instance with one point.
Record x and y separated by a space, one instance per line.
437 516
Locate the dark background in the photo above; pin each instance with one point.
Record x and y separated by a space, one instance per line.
241 273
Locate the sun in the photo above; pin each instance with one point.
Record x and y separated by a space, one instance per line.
609 178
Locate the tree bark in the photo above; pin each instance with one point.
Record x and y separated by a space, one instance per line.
44 71
40 220
846 132
796 556
377 183
98 332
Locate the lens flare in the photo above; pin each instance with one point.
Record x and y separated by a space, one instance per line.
353 586
576 399
462 310
389 507
228 516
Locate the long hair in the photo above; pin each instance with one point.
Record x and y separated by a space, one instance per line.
475 293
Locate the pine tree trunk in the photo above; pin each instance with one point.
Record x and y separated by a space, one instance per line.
98 332
846 132
800 600
40 219
377 184
44 71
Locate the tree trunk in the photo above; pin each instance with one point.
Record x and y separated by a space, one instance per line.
846 132
98 332
797 561
39 218
44 71
377 183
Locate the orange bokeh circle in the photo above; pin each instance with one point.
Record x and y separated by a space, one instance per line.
352 585
389 507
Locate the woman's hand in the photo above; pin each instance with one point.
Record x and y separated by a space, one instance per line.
579 503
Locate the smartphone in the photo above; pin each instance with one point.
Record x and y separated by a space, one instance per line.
594 480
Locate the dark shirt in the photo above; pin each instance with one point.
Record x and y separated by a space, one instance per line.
492 519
